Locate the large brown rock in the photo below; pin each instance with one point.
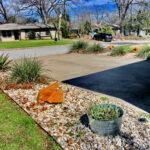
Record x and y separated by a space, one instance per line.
51 94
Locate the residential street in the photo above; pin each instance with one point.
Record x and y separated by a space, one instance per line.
36 52
61 49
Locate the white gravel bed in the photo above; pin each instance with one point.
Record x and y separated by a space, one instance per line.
62 121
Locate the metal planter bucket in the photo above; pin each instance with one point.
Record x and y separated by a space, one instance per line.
106 128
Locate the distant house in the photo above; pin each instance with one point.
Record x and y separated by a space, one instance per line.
13 31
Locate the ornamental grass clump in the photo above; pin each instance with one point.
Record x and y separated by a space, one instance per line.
104 112
144 52
79 46
96 48
4 62
27 71
118 51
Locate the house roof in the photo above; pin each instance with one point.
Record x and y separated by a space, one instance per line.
16 26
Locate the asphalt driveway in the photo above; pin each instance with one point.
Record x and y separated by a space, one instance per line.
129 82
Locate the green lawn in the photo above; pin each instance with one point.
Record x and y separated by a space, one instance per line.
18 131
33 43
127 47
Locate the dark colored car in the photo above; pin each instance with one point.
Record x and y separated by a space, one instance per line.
103 37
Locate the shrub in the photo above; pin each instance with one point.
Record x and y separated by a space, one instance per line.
104 112
118 51
32 35
73 35
79 46
4 62
144 52
27 71
64 29
96 48
105 29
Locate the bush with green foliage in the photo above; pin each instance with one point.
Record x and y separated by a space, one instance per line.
105 29
64 29
118 51
96 48
32 35
4 62
79 46
27 71
87 27
104 112
144 52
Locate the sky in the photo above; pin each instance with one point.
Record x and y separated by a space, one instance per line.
109 5
96 2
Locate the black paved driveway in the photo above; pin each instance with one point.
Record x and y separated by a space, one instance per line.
130 83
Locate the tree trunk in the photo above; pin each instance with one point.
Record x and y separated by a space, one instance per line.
59 26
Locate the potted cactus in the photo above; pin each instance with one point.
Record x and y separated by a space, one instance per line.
105 119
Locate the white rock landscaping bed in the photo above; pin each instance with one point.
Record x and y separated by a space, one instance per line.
62 121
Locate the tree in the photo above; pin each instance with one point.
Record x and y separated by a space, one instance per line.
41 8
105 29
87 27
30 20
123 6
46 10
3 11
142 20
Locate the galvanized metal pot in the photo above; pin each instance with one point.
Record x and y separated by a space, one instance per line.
106 128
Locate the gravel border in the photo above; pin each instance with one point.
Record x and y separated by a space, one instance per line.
62 121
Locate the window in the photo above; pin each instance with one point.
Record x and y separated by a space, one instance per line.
6 34
26 34
47 33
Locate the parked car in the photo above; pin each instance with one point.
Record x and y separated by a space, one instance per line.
107 37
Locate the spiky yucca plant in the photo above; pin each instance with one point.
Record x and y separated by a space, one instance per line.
4 61
29 70
144 52
79 46
118 51
96 48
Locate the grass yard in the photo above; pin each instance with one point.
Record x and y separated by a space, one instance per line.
18 131
33 43
127 47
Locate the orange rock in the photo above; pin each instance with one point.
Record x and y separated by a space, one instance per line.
109 48
56 97
112 46
135 50
51 94
70 141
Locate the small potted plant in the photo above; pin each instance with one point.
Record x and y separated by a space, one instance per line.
105 119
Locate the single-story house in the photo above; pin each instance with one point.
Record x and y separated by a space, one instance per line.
14 31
